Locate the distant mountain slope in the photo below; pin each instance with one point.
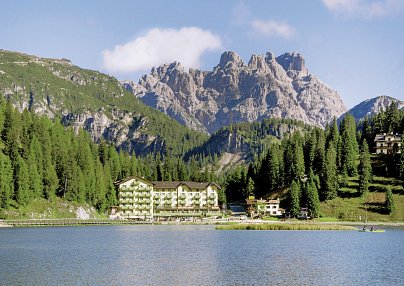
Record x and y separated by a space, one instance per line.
372 106
267 86
93 101
241 142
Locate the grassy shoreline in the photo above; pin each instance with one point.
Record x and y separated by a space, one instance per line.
285 226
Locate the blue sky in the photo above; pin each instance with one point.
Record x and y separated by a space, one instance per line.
354 46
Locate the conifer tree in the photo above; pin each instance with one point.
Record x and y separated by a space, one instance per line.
389 201
110 188
319 158
50 179
313 201
114 163
365 169
310 149
294 198
6 181
81 194
349 145
329 175
100 191
35 176
392 118
250 187
298 168
22 193
182 170
333 135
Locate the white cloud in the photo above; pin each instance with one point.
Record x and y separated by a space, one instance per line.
272 28
159 46
365 8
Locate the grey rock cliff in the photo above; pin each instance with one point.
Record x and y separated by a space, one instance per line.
233 91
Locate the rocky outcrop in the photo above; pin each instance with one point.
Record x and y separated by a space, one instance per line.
87 99
372 106
267 86
123 129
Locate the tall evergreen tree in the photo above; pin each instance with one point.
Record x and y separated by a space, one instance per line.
22 193
329 175
6 181
392 118
110 188
100 191
333 134
349 145
313 201
250 187
35 172
365 169
389 201
294 198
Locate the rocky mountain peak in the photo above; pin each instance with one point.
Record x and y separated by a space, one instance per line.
230 59
167 69
293 62
269 86
258 62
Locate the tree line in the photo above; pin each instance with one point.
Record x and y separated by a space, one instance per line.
314 164
41 158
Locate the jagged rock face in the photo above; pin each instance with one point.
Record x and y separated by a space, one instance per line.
372 106
83 98
267 86
120 128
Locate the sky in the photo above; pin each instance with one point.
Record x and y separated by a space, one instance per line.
355 46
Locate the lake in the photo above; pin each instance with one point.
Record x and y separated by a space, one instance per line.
198 255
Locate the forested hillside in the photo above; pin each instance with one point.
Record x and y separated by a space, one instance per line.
317 164
40 158
93 101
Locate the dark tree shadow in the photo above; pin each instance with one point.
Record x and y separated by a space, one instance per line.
374 208
352 193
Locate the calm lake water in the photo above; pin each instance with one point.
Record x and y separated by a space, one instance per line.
198 255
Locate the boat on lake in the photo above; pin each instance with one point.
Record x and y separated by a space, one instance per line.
374 230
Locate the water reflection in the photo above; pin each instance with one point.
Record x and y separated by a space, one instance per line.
198 255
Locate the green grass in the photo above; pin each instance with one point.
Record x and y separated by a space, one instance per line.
44 209
285 226
349 206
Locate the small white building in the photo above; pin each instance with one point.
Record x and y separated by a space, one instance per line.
266 207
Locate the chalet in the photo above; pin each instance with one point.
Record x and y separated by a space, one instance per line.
389 143
263 207
143 199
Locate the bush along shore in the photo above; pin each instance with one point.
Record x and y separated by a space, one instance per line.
285 227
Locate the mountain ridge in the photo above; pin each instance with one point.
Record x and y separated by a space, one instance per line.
233 91
90 100
372 106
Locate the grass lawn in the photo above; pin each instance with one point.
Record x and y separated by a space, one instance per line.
350 206
42 209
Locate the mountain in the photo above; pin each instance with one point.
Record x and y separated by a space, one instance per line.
91 100
267 86
241 142
372 106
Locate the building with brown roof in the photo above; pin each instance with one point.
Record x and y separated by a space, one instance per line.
143 199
